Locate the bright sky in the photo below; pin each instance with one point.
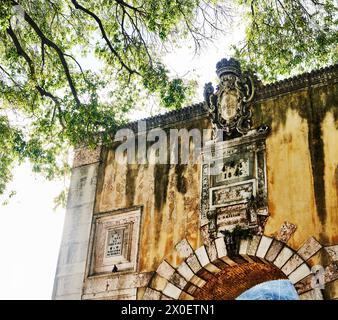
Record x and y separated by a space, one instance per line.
30 231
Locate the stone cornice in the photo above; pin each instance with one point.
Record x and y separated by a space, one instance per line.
315 77
180 115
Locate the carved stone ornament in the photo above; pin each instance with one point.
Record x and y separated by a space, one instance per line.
229 105
234 180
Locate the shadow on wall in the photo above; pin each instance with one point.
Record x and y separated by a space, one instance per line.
271 290
312 104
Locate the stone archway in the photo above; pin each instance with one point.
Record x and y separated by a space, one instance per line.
197 276
230 282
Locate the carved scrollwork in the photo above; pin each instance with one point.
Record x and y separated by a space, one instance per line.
229 107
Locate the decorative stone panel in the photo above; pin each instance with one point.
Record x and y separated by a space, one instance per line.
234 188
115 242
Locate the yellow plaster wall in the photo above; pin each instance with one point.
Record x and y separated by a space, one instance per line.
291 194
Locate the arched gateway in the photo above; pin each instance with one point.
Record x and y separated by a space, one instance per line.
235 197
209 273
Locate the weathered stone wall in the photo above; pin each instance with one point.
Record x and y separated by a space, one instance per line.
169 195
302 164
302 172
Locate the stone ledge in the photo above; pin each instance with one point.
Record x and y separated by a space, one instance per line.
123 281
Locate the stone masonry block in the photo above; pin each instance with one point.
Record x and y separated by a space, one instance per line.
202 256
221 248
158 283
172 291
274 250
151 294
243 246
283 257
300 273
197 281
178 280
263 247
212 251
85 155
185 271
332 252
193 263
184 248
315 294
165 270
294 262
309 248
253 245
186 296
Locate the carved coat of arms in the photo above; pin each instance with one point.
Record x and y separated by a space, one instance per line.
228 106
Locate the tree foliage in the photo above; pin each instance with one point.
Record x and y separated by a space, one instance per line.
287 37
52 97
58 98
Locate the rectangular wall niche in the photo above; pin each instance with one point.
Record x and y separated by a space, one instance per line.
115 241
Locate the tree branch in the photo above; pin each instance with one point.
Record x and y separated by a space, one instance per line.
53 45
104 35
56 101
20 50
10 77
127 5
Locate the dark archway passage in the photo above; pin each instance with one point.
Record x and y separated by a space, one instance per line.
229 283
